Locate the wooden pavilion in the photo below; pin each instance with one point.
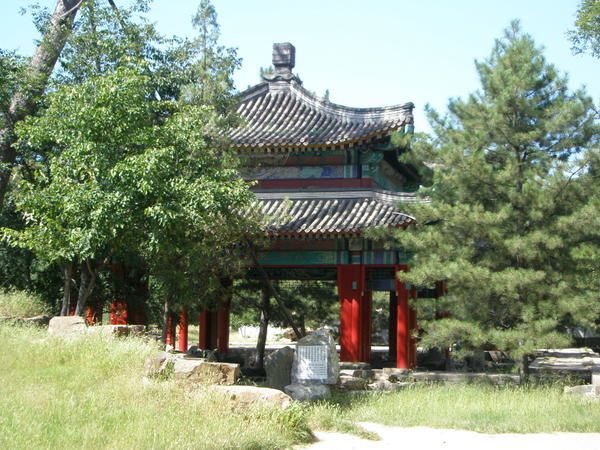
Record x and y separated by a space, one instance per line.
324 174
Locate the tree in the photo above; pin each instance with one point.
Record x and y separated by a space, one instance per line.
500 196
25 98
586 36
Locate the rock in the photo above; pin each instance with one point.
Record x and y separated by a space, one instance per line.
66 326
199 371
596 375
316 359
117 330
360 373
155 365
348 383
208 355
41 321
278 366
586 390
308 392
387 386
245 396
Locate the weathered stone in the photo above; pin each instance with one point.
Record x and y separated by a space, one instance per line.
278 366
199 371
388 386
154 365
352 383
208 355
596 375
360 373
308 392
66 326
345 365
37 320
301 369
251 395
117 330
586 390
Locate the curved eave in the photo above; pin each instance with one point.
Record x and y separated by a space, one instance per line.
283 116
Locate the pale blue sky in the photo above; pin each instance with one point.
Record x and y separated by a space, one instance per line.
367 53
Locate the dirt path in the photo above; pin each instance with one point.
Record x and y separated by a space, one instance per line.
431 438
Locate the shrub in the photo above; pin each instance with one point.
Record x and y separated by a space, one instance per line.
19 304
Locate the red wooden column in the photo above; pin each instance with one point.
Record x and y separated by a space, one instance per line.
207 322
412 342
393 318
366 326
170 336
350 283
182 339
118 313
403 354
223 326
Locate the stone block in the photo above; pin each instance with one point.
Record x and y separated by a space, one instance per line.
155 364
66 326
387 386
278 366
308 392
245 396
349 383
199 371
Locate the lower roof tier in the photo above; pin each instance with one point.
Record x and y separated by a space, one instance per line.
323 214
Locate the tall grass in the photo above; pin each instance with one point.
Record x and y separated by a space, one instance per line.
89 393
21 304
473 407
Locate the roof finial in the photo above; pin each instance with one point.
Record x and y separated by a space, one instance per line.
284 60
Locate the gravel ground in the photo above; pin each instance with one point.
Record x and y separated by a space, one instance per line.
431 438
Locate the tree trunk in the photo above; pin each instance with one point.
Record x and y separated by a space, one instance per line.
86 286
265 307
165 321
24 100
67 273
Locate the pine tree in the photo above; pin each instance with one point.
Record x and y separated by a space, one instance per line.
503 193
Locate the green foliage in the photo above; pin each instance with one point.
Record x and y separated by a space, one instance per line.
21 304
505 184
586 36
128 156
68 399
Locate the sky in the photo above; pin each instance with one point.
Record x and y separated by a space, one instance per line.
375 53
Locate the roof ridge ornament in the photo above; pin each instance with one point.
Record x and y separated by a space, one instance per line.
284 60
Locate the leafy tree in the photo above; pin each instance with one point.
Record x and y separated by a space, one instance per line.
27 95
586 36
501 205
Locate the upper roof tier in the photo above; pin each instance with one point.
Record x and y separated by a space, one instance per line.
279 114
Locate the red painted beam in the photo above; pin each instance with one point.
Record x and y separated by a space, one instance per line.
299 183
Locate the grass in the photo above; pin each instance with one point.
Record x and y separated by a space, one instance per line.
19 304
89 393
474 407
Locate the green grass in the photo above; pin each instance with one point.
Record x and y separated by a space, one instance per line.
473 407
89 393
19 304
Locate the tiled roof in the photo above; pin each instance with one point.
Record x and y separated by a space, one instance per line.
279 114
331 213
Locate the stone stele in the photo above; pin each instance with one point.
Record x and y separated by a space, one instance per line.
316 359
